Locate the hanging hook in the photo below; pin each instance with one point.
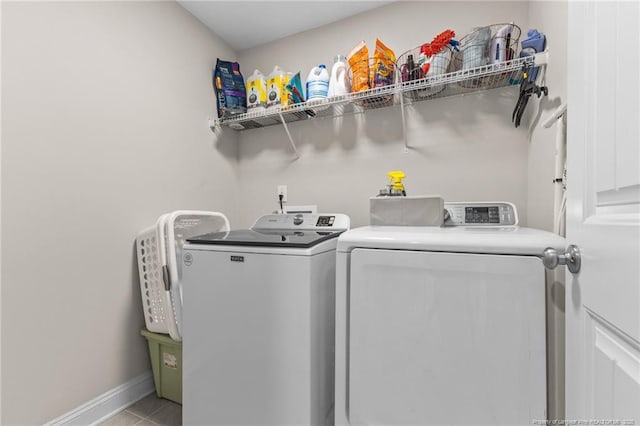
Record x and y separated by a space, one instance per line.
527 88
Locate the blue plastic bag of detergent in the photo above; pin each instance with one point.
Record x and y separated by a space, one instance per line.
228 84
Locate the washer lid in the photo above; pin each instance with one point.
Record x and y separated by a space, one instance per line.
459 239
282 230
266 238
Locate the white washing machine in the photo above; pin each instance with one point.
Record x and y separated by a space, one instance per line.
258 322
442 325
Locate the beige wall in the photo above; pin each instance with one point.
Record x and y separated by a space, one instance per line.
550 18
463 148
104 128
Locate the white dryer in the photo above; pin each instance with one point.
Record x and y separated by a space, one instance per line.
259 322
442 325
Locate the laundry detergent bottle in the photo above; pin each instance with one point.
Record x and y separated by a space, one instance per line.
339 81
276 82
256 92
317 84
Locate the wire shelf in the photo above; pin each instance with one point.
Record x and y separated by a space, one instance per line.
466 81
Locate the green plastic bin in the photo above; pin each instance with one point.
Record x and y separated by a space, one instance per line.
166 361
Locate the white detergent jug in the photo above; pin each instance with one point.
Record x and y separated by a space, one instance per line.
256 92
339 82
317 84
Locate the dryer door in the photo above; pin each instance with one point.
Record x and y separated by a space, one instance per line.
446 338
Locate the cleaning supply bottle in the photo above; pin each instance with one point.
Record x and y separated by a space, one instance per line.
396 177
410 70
317 84
395 187
500 42
256 92
286 93
276 82
339 82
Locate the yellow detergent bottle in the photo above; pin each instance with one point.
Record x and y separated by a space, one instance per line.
256 86
276 88
395 187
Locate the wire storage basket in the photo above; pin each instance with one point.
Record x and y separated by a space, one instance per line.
372 76
414 66
484 46
159 252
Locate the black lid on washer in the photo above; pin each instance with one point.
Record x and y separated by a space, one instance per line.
266 238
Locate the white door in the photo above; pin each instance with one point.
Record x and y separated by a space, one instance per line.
603 213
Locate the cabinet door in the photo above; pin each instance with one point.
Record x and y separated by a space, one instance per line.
444 338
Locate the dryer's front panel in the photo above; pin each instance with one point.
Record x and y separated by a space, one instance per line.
445 339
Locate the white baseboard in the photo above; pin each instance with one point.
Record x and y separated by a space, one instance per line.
107 404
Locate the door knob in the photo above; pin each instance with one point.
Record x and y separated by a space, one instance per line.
571 258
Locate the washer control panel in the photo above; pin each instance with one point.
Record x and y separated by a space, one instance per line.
325 221
480 214
304 221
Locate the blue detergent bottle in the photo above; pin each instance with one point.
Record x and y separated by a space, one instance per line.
318 83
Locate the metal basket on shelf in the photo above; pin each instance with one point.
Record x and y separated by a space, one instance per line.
484 46
371 77
412 66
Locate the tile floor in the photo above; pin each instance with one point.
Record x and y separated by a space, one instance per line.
149 411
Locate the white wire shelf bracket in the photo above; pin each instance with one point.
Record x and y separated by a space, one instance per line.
454 83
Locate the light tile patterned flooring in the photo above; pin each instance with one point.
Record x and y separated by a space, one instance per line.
149 411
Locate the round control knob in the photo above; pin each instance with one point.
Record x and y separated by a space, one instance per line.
298 219
447 215
550 258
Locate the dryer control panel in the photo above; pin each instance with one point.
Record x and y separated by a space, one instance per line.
480 214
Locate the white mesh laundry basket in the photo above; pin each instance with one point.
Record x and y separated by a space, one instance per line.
159 250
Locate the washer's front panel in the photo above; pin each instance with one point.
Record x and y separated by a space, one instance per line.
247 339
445 338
